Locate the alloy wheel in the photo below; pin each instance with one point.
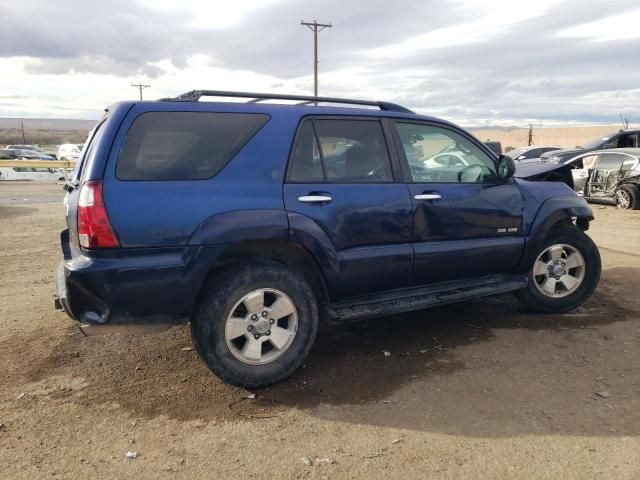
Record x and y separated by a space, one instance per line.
623 199
559 271
261 326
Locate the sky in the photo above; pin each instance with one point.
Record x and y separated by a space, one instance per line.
474 62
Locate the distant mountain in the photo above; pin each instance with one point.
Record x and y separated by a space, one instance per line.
47 124
44 131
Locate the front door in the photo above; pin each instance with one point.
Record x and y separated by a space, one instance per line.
348 206
467 223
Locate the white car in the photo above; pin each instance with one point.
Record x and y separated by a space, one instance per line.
69 151
31 174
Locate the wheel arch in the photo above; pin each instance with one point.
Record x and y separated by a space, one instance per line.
283 252
566 210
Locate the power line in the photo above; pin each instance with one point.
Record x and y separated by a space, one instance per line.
315 27
140 87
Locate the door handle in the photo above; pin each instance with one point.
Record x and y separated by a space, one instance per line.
428 196
314 199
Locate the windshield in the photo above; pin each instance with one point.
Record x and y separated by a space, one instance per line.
516 153
598 141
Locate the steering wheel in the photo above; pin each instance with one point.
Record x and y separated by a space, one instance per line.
451 159
471 173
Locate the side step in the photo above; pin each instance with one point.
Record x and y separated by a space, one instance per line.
400 301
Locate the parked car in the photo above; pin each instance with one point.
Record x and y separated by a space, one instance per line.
9 155
69 151
254 220
36 148
621 139
496 147
608 176
531 153
30 174
32 155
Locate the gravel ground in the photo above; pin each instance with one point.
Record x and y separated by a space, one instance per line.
481 389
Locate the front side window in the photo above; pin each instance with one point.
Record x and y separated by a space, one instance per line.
588 161
439 155
629 140
341 151
533 153
184 145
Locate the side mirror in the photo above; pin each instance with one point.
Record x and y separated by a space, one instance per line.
607 145
506 167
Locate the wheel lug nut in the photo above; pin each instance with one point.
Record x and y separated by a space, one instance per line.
268 332
254 317
272 321
264 314
256 336
250 328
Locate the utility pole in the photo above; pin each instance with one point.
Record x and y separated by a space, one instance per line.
315 27
22 126
140 87
530 134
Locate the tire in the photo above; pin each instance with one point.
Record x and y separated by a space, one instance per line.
628 197
239 360
544 292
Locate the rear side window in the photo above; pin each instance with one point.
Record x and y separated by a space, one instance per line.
341 151
610 161
184 145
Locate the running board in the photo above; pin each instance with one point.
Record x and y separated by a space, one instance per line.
400 301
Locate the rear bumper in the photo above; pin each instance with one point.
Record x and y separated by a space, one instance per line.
133 287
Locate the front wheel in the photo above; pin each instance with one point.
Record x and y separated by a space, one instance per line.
255 323
564 274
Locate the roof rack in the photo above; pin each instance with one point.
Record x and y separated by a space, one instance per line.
194 96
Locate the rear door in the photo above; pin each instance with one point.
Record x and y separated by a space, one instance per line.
466 222
345 199
605 174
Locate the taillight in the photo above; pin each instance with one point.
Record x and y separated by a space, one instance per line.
94 228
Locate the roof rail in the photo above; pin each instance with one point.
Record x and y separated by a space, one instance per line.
194 96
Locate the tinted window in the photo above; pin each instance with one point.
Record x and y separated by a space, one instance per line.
598 142
184 145
306 166
341 151
533 153
516 153
353 151
439 155
629 140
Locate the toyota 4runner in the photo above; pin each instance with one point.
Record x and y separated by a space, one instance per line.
255 220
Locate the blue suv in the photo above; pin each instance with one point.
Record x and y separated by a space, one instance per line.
255 220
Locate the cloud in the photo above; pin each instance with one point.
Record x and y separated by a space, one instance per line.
495 61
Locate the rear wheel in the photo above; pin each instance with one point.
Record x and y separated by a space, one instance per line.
628 197
255 324
564 274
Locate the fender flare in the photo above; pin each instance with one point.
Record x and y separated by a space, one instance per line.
566 209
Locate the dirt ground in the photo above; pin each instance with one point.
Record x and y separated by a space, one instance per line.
481 389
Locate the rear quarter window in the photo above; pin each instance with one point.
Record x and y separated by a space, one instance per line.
184 145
